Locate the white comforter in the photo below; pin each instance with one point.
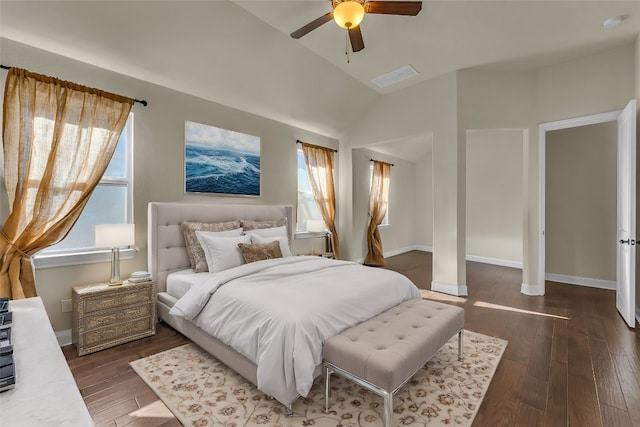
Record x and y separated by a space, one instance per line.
278 312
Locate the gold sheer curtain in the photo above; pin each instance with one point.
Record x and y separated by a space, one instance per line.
319 161
58 140
378 199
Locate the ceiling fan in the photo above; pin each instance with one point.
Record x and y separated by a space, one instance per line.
349 13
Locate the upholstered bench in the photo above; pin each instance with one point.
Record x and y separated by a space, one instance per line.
384 352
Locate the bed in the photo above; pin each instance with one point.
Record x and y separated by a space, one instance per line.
284 367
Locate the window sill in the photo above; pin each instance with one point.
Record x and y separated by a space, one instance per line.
384 226
309 235
89 256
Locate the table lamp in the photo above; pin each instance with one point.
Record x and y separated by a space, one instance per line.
115 236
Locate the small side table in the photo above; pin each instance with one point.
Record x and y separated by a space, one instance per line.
105 316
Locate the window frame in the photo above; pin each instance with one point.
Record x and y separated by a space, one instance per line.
304 234
79 256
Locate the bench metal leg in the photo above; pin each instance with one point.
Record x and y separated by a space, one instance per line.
327 375
386 395
288 410
460 344
388 409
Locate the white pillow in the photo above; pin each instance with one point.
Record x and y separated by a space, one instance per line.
226 233
221 252
284 243
269 232
274 232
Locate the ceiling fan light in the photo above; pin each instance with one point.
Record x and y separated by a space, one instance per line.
348 14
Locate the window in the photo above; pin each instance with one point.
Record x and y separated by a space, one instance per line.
110 203
385 221
309 218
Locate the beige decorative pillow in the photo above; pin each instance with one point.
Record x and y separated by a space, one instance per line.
260 251
269 223
196 254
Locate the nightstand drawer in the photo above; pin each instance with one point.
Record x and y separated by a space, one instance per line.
111 317
103 302
123 332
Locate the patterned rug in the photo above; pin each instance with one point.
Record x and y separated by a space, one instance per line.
201 391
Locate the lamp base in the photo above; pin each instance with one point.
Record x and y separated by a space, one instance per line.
115 268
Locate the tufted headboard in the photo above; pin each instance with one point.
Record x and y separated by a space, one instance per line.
166 247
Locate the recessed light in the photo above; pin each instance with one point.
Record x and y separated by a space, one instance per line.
612 22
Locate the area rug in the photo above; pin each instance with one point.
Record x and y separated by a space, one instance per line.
201 391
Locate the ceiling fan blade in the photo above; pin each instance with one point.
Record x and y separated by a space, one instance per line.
312 25
411 8
355 35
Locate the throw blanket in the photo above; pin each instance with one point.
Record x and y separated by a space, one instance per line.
278 312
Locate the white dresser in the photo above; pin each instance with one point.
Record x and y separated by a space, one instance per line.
45 393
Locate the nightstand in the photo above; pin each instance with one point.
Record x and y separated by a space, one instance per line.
105 316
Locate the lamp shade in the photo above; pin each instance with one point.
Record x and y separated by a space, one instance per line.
115 235
348 14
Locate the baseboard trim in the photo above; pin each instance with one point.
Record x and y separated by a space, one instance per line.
400 251
64 337
473 258
403 250
495 261
447 288
581 281
532 290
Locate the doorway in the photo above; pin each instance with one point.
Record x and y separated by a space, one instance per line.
580 213
626 203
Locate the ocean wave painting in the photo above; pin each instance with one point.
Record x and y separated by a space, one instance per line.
221 161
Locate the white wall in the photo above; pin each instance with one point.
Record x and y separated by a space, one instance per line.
494 100
508 100
423 194
159 157
494 195
594 84
429 107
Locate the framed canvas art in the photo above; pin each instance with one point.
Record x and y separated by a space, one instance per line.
220 161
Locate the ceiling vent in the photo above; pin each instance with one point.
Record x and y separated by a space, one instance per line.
394 76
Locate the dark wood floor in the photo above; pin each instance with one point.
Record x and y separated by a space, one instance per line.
571 360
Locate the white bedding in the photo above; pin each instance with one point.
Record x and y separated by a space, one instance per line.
278 312
179 282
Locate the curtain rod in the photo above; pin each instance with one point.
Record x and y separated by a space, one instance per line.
139 101
317 146
386 163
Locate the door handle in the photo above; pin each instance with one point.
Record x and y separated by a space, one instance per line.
628 242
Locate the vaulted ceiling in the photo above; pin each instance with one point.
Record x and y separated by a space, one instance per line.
240 53
451 35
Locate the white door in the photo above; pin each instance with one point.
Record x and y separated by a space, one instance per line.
626 257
